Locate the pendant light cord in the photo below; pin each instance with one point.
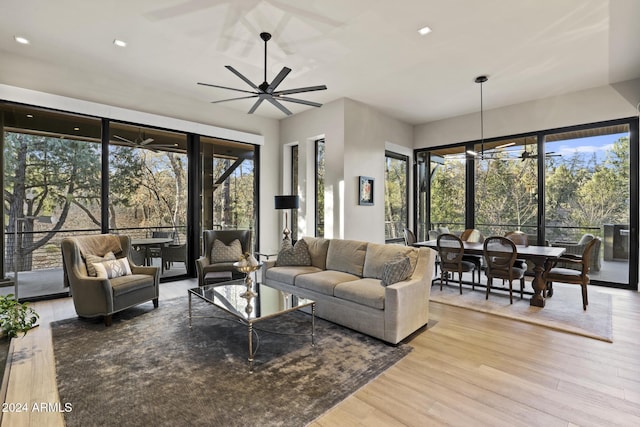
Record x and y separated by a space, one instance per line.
481 80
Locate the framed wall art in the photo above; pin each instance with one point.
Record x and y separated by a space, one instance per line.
365 191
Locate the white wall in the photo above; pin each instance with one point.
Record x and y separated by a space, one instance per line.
356 136
588 106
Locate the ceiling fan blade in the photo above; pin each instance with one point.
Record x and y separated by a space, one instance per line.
256 105
280 106
279 78
300 90
299 101
146 141
123 139
233 99
243 78
225 87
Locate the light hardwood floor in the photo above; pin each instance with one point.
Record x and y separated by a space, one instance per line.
467 368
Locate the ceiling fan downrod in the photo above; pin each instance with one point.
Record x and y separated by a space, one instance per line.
266 37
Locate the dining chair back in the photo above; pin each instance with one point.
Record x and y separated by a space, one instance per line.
519 238
451 252
573 276
500 255
409 237
475 236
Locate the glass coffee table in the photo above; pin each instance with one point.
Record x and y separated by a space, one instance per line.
232 298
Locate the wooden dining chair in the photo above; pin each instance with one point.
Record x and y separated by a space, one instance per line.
569 275
519 238
500 255
475 236
451 251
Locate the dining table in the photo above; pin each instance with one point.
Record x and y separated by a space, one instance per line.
144 244
542 258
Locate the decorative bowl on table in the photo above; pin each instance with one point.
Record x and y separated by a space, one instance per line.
247 265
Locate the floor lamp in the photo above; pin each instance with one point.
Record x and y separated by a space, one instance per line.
287 203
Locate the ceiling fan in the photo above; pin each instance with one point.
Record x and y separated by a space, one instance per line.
267 91
142 142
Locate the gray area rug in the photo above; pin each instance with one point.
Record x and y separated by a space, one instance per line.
562 312
149 369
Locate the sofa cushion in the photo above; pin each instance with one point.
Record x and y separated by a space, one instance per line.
323 281
366 291
318 247
378 255
220 252
288 274
346 256
297 254
95 259
396 270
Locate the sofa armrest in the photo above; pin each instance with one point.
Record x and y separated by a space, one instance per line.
265 266
407 302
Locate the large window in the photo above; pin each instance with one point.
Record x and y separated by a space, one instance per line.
228 185
320 175
148 192
560 187
51 174
395 196
65 174
506 186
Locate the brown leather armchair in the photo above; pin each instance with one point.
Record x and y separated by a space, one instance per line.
205 264
99 296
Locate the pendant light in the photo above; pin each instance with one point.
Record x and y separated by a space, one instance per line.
481 80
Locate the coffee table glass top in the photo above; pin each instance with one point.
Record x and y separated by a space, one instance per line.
228 296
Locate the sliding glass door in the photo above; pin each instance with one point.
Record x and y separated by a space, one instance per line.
588 194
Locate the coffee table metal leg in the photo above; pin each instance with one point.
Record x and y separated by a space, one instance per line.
250 347
189 310
313 324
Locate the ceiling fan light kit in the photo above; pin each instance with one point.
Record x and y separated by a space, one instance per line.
266 91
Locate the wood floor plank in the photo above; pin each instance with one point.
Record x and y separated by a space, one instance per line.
467 368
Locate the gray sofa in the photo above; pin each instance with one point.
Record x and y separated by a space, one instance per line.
344 279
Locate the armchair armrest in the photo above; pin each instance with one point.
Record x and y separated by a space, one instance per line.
201 264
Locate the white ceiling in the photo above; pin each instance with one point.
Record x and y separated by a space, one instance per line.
365 50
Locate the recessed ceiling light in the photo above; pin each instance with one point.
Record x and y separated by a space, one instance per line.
30 116
120 43
21 40
76 128
424 31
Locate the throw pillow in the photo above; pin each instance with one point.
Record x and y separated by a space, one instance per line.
113 268
297 254
396 270
91 260
226 253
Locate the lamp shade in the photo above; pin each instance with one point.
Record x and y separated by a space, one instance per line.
287 202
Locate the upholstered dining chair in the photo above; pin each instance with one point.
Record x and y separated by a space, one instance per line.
102 277
220 251
409 237
451 252
475 236
570 275
500 255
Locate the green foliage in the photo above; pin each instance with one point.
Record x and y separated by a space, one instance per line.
15 317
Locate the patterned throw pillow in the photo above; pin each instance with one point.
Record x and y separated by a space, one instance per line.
396 270
113 268
91 260
226 253
297 254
